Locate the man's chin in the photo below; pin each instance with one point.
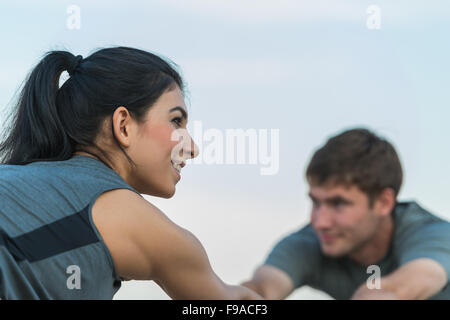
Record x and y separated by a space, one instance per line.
332 252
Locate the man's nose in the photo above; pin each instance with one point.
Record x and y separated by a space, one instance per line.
321 217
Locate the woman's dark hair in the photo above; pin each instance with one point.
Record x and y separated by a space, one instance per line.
51 123
357 157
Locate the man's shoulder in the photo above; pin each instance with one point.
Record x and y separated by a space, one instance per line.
413 222
297 254
409 214
301 240
305 233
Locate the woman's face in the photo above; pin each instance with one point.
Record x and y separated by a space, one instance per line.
156 149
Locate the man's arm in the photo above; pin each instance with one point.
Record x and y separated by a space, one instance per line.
415 280
294 259
147 245
270 282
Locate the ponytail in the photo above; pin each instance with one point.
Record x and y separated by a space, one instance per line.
38 133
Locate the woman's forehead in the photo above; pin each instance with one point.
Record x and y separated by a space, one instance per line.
168 100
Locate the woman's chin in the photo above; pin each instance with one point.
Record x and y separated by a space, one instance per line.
160 191
166 194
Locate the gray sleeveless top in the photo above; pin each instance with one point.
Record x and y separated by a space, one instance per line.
49 245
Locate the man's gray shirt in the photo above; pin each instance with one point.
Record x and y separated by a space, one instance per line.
418 234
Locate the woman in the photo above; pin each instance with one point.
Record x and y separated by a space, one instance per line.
76 160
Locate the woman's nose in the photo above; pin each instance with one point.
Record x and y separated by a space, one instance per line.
195 150
190 149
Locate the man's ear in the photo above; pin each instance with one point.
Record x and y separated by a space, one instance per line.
385 202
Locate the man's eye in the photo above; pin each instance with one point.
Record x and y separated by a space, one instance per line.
339 204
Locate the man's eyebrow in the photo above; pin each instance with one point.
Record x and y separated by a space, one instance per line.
311 196
338 199
183 112
332 199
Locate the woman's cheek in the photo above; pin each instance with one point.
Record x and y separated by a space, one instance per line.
164 140
161 134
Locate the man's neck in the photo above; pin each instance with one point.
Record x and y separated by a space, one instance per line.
376 248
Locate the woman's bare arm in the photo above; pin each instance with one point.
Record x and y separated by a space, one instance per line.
146 245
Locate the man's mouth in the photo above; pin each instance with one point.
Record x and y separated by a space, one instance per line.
328 237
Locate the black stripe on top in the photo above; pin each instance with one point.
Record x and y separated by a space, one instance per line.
63 235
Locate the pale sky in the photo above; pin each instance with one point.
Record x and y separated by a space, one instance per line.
307 68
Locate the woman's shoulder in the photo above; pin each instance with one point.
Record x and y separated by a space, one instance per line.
135 232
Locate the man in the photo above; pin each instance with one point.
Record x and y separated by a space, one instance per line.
361 243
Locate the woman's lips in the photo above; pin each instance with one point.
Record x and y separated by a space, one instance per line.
177 173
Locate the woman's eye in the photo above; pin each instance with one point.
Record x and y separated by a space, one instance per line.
177 121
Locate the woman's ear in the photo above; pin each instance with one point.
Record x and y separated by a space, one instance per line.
122 126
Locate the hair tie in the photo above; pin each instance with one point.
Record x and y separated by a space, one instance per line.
74 65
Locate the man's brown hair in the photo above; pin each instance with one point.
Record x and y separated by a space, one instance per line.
357 157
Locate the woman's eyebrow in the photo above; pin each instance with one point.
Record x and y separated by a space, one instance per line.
183 112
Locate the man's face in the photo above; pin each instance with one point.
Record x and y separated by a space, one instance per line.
342 218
